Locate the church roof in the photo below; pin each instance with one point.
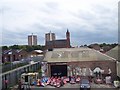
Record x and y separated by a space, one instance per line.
57 43
61 41
76 54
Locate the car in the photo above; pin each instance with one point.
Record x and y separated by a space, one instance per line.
85 84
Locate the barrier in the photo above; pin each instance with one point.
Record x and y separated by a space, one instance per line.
12 77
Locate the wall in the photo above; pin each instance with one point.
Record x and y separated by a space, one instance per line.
118 69
104 65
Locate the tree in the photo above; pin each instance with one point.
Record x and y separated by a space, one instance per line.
5 48
85 45
29 48
24 47
14 47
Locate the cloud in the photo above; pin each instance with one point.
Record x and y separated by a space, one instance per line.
86 20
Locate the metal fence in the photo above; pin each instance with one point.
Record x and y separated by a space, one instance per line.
12 66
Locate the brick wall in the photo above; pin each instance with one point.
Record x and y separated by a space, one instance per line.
104 65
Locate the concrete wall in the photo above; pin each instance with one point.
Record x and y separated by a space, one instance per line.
118 69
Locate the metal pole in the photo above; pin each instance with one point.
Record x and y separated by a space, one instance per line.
5 82
11 61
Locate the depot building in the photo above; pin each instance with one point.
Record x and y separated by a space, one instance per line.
81 61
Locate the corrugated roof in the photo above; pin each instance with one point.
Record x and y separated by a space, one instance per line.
75 54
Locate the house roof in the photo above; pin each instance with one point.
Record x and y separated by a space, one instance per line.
11 51
38 51
115 52
75 54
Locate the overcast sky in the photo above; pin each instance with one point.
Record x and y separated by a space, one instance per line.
89 21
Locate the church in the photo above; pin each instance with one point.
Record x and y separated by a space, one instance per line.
52 43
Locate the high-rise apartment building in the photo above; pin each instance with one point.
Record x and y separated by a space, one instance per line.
49 36
32 40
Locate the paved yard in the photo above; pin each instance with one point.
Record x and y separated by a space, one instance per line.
75 87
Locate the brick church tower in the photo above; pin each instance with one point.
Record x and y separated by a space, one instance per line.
68 38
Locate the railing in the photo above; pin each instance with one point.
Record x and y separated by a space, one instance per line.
12 77
12 66
12 73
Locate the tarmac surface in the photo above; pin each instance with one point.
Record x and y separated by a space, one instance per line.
74 87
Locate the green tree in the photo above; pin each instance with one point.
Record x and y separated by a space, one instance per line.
14 47
5 48
29 48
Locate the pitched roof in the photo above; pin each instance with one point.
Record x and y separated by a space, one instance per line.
115 52
75 54
37 51
11 51
57 43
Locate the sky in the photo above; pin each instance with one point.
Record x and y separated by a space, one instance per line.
89 21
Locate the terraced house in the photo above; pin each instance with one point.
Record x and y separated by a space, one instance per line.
13 55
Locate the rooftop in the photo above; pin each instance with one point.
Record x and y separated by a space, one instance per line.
114 53
75 54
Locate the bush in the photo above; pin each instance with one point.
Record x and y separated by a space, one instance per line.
6 63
